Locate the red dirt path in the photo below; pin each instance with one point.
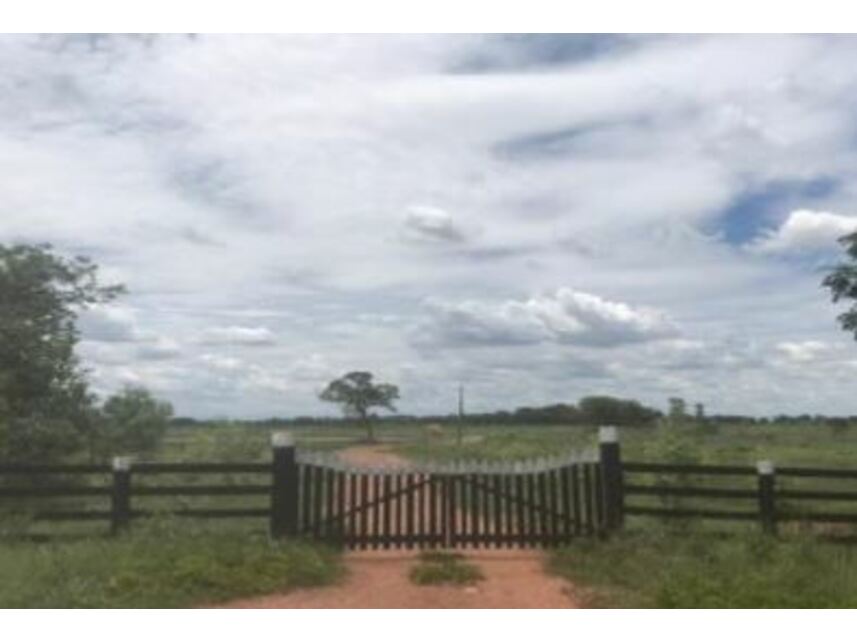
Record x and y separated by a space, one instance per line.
513 579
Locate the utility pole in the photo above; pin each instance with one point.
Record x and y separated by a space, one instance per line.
460 414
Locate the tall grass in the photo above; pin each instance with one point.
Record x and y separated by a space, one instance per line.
699 569
159 564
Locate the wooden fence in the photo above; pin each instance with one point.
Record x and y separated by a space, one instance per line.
53 482
477 504
763 493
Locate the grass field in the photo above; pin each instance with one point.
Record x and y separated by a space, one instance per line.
804 444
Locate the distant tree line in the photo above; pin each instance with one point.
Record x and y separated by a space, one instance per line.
553 414
592 410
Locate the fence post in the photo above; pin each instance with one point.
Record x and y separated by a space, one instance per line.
120 505
767 496
611 472
284 486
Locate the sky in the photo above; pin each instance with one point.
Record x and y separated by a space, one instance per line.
535 217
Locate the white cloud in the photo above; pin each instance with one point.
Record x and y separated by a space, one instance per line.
109 323
803 351
160 349
222 363
806 231
241 335
567 317
429 224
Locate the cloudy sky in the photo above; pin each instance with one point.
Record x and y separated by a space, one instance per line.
537 217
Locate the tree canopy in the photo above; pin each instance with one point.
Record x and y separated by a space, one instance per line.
356 394
45 406
842 282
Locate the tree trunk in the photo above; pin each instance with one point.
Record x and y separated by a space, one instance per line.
370 430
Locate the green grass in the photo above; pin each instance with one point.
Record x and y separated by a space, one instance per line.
160 564
444 568
698 569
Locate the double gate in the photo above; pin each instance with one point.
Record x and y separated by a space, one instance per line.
537 504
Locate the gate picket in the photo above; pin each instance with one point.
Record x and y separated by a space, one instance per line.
598 498
565 504
587 496
386 530
306 517
497 533
376 510
410 505
543 503
578 510
318 518
531 510
363 515
420 537
434 484
554 524
508 511
452 518
474 510
340 507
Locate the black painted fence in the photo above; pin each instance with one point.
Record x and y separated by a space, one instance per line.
763 494
121 482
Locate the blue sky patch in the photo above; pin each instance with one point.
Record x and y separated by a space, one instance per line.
526 51
759 209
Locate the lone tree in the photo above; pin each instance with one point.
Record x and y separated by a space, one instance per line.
843 283
357 394
46 410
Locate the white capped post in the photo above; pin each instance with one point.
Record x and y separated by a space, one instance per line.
120 497
121 463
284 486
610 457
608 434
282 439
767 496
765 467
